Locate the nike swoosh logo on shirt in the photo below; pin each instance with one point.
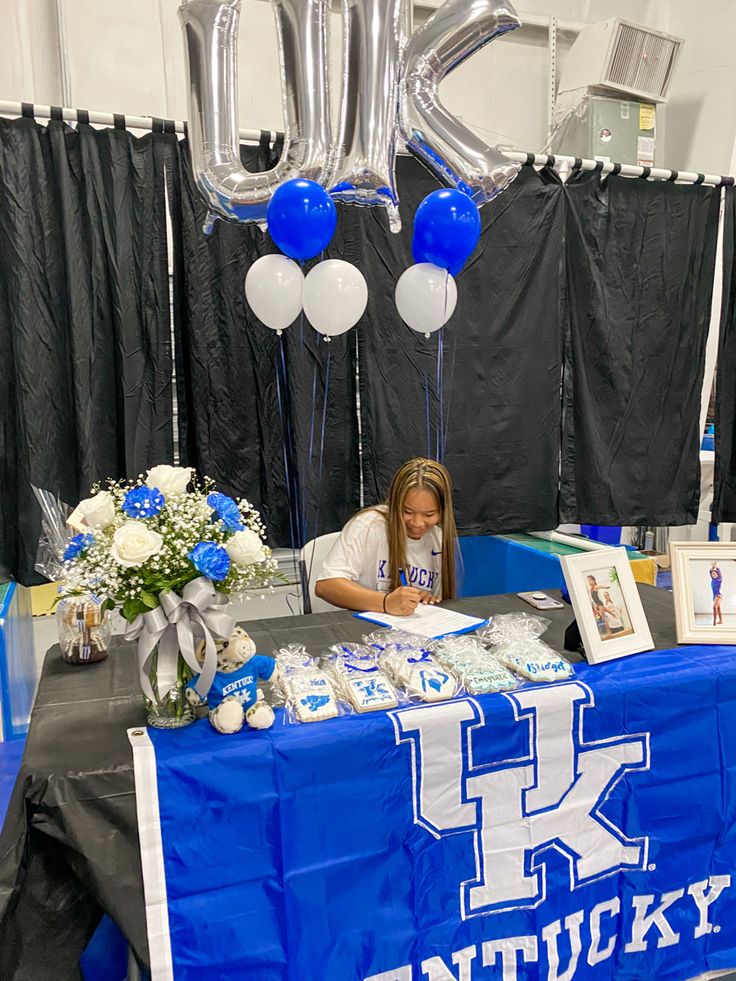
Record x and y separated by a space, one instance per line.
436 553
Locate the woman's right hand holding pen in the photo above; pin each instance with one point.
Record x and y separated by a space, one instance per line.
402 602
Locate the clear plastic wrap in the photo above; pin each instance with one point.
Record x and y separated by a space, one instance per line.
55 534
292 656
384 636
307 690
514 625
413 668
476 666
359 678
514 639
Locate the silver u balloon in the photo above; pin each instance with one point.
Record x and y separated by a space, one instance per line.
365 154
456 155
211 41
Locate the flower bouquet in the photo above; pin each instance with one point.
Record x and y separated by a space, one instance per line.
168 550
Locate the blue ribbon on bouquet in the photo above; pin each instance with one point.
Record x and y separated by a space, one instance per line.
199 613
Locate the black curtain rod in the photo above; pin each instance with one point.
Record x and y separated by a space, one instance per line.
156 125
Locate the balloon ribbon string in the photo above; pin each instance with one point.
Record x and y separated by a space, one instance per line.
292 448
312 418
449 392
442 433
324 411
429 427
285 440
322 438
440 395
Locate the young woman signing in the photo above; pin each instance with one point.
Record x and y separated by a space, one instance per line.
391 557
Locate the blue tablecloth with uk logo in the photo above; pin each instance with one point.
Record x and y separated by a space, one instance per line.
575 831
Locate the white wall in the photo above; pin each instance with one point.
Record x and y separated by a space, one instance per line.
701 114
29 67
128 57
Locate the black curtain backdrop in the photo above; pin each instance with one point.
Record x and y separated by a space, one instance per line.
255 402
640 258
724 480
580 329
85 373
495 411
496 406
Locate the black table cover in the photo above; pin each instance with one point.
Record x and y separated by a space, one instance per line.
69 845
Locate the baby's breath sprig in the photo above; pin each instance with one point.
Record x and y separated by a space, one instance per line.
132 559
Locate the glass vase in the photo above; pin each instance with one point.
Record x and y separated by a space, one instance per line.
84 630
170 709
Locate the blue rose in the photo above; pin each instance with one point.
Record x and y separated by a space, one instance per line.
227 511
211 560
143 502
77 545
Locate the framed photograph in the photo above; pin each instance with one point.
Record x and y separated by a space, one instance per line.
704 584
607 606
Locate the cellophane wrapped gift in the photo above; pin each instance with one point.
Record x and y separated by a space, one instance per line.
359 679
55 534
412 668
308 691
479 670
384 636
84 629
514 638
83 622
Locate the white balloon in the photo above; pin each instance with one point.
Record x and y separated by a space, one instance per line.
335 296
273 289
426 297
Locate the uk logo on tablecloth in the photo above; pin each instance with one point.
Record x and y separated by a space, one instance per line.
521 809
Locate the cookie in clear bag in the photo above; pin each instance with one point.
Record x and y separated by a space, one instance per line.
479 671
420 675
360 680
310 695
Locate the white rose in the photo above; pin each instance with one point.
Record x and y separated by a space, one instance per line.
169 480
93 512
134 543
245 548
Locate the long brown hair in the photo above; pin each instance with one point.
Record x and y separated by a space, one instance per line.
421 474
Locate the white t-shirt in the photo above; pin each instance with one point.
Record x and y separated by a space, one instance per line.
613 615
360 554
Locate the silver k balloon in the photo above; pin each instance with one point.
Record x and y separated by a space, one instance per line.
211 42
454 32
389 87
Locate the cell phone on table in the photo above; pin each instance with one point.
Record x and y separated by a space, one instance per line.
541 601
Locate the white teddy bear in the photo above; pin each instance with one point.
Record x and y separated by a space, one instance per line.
234 697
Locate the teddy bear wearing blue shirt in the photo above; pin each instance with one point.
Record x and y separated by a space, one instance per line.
234 698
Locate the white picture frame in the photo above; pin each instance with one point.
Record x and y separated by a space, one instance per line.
608 610
695 596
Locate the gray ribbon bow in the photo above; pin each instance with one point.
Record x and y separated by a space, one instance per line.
199 612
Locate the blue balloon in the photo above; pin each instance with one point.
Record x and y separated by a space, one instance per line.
301 218
446 229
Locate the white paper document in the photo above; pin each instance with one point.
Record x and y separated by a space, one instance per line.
427 621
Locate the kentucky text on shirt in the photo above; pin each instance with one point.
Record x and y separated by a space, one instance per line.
236 685
416 576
